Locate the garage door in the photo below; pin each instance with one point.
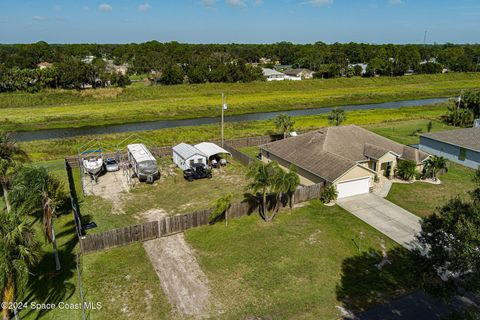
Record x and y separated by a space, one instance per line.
353 188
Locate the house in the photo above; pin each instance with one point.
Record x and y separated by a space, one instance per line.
364 67
111 67
184 155
273 75
298 74
461 146
348 157
44 65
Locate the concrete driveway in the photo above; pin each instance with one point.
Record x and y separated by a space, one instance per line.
388 218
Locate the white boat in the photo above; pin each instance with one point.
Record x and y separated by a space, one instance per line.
93 166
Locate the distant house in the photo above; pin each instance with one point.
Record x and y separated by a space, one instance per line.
461 146
273 75
44 65
348 157
88 59
363 65
298 74
113 68
185 155
431 60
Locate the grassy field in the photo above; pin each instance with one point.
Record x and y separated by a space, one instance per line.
170 195
126 284
407 132
301 266
422 198
63 109
122 280
54 149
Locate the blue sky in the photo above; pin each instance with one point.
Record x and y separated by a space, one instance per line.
239 21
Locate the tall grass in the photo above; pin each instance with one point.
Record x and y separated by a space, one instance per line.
54 149
62 109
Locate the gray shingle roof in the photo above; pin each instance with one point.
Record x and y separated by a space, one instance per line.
295 72
467 138
330 152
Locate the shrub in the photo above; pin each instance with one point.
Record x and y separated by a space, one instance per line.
406 169
329 194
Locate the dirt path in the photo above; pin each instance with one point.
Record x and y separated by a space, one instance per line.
181 278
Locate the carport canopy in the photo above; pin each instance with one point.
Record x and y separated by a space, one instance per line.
211 149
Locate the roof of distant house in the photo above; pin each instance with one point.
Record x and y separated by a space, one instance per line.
45 64
467 138
295 72
270 72
332 151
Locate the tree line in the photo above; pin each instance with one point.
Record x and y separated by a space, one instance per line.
31 195
197 63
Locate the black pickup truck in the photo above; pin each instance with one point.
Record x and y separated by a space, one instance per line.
197 171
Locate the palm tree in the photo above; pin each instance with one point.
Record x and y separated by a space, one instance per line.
10 155
35 192
220 207
18 252
337 116
292 181
279 186
260 175
434 165
284 123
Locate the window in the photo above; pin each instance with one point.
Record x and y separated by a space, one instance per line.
463 154
192 162
200 160
268 155
374 166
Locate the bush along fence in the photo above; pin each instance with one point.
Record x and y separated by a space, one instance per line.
179 223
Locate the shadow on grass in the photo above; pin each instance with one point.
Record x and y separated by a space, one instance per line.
48 285
364 283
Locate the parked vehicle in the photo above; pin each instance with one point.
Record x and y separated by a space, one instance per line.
197 171
143 163
111 165
93 166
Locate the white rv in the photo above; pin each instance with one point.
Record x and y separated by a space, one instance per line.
143 162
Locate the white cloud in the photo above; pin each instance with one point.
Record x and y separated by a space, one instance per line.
143 7
208 3
39 18
319 3
105 7
236 3
395 2
258 2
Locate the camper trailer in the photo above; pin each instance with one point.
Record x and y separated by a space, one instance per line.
143 163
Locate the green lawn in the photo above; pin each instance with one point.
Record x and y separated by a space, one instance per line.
422 198
171 195
69 108
122 280
301 266
55 149
250 151
126 284
407 132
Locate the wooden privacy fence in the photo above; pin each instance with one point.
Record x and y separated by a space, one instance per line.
239 156
179 223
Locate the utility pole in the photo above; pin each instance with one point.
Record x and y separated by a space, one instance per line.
224 107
